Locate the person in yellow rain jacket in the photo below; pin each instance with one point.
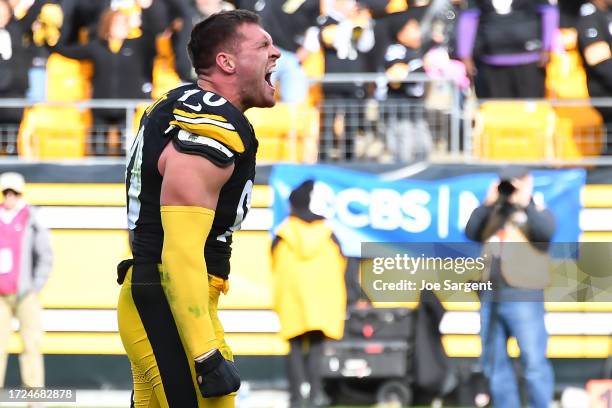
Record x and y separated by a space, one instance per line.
310 294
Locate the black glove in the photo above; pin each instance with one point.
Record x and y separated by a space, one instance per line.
216 376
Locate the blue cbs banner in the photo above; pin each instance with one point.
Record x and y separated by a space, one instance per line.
363 207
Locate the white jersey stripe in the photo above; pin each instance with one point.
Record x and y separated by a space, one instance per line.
193 138
209 121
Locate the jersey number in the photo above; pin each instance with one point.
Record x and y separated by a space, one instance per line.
244 205
135 180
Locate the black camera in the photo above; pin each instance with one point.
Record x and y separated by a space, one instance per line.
506 188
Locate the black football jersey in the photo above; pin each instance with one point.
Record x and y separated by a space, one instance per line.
196 122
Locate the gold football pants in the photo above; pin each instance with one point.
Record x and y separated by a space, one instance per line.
162 369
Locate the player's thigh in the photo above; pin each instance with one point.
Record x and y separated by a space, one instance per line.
145 373
174 364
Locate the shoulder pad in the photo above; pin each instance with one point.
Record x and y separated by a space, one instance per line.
587 9
190 143
203 113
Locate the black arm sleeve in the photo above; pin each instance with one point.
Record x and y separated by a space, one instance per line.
477 222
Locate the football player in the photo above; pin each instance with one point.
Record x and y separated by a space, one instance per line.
188 182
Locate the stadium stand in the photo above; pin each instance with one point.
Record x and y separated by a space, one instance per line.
286 133
515 131
565 75
53 132
69 80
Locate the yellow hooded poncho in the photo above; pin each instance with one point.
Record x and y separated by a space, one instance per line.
308 271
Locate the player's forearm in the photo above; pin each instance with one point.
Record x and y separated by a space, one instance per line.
185 278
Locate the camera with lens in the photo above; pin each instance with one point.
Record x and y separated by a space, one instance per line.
505 189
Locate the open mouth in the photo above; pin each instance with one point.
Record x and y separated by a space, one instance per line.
268 78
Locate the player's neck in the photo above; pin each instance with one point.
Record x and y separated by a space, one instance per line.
227 91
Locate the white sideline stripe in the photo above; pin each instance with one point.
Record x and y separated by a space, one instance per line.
258 219
596 219
266 321
83 217
68 217
557 323
105 320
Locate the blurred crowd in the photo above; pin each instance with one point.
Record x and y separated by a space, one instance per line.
499 48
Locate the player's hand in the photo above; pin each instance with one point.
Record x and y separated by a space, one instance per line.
216 376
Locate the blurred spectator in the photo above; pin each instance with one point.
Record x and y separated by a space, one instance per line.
41 22
187 15
569 11
511 42
205 8
383 12
252 5
509 222
147 19
309 294
408 136
287 22
81 19
346 35
595 43
14 64
25 263
181 17
438 24
121 68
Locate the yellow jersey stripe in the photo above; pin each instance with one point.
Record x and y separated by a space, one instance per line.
198 115
230 138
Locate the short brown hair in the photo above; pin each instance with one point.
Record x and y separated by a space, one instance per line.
217 31
106 20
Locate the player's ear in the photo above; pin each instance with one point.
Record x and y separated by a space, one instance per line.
226 62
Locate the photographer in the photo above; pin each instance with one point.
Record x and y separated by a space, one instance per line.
516 233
